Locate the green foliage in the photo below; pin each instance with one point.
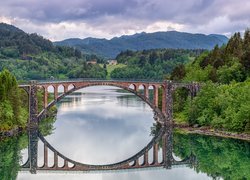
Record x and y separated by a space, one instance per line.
30 56
225 107
88 71
10 150
217 157
12 112
151 64
223 65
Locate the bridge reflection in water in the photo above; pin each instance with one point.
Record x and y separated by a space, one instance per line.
163 139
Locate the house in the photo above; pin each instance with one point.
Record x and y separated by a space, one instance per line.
112 62
93 61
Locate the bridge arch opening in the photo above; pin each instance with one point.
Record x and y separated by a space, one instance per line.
151 93
132 87
160 95
142 89
61 89
40 152
51 96
71 86
181 98
147 112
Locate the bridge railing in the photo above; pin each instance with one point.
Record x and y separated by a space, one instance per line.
104 80
91 79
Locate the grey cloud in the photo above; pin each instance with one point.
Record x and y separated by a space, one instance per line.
58 10
117 17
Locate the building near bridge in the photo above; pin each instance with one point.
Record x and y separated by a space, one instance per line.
93 61
112 62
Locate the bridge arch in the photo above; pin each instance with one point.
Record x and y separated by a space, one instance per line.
125 86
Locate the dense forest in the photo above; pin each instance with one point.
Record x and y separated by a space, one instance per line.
224 101
13 113
30 56
152 64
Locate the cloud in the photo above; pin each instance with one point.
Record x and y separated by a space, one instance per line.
60 19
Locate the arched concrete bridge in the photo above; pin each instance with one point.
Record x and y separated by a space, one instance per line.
69 86
163 140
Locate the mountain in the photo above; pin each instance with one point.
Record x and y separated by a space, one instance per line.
16 42
140 41
30 56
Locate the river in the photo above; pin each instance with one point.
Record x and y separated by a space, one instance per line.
104 125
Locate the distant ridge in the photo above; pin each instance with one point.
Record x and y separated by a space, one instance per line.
140 41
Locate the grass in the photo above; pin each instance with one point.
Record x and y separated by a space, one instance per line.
110 68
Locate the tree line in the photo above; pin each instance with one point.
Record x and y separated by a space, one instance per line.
152 64
223 102
13 113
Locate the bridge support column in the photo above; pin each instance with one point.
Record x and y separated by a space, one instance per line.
55 92
145 158
33 109
32 151
45 97
169 100
164 102
45 156
167 150
146 92
156 96
155 153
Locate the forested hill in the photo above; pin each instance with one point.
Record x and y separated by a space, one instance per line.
223 102
18 43
30 56
144 41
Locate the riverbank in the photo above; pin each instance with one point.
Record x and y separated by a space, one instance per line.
212 132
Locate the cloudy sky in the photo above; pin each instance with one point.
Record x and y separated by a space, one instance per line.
60 19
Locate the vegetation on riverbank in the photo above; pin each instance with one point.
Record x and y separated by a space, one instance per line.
13 112
223 102
14 104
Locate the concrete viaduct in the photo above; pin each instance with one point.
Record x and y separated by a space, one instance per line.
70 86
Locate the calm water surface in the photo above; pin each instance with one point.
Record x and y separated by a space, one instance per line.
102 125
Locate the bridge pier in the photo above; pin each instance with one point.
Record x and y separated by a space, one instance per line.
164 102
33 107
168 98
45 97
146 92
55 92
156 94
167 143
32 151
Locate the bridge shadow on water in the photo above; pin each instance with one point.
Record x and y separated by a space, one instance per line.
163 139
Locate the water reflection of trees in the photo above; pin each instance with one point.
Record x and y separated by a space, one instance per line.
218 157
11 147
